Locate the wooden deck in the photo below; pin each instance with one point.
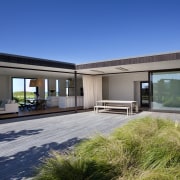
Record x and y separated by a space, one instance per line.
24 143
37 112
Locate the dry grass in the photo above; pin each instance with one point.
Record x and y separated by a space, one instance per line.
143 149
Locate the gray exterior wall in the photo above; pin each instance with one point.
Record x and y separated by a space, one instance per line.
123 86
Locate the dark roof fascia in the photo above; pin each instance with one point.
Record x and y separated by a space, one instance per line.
10 58
136 60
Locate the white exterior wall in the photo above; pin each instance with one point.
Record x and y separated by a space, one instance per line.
5 87
122 86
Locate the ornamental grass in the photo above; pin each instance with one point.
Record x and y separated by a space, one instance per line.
143 149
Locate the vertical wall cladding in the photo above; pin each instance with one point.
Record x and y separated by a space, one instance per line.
121 87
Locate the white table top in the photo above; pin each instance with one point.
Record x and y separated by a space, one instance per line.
114 101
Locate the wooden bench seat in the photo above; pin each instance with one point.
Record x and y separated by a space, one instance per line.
111 107
119 107
98 106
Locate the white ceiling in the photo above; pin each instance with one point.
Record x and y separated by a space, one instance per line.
30 71
163 65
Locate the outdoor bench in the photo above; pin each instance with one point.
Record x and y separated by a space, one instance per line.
98 106
111 107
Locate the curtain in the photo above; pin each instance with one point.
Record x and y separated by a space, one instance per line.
92 86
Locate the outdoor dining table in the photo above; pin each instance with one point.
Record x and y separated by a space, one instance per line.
117 102
37 103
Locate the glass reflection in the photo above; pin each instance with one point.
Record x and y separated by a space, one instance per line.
166 90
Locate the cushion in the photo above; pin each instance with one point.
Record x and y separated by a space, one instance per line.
2 109
13 101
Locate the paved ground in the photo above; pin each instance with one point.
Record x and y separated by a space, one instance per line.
25 142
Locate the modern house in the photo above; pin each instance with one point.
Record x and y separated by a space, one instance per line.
153 81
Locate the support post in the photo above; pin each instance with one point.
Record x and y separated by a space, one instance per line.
75 90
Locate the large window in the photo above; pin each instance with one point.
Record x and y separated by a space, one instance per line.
166 90
70 87
67 87
21 90
46 88
57 87
29 91
144 94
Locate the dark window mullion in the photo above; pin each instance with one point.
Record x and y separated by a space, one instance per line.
25 90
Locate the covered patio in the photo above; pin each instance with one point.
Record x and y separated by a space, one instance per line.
30 81
152 81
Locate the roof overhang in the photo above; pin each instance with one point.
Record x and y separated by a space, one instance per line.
136 64
16 65
35 67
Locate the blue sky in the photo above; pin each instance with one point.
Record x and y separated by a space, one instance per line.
82 31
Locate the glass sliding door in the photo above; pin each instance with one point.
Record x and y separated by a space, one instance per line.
29 91
21 90
57 87
67 87
46 88
144 94
165 90
70 87
18 92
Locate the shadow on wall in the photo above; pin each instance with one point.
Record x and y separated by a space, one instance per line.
23 164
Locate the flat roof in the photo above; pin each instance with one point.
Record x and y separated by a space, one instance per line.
11 58
133 60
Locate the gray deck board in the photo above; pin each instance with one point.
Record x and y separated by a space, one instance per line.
24 143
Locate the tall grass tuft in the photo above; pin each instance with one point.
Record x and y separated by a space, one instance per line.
159 174
60 167
144 149
163 150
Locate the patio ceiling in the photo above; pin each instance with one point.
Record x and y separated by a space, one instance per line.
28 67
138 64
31 71
132 68
21 66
